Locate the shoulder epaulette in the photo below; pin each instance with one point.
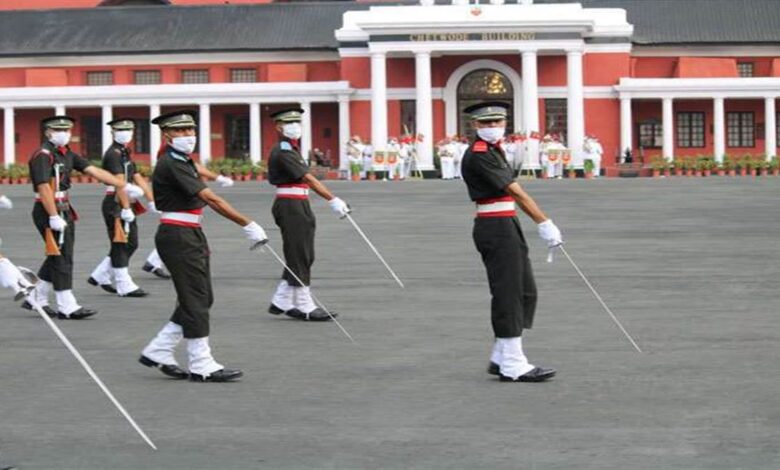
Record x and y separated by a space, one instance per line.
178 157
285 146
480 146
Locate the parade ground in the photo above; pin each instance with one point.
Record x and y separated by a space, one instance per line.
690 266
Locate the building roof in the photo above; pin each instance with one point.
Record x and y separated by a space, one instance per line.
311 26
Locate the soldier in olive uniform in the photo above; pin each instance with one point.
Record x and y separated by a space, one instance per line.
50 168
292 213
500 241
117 160
181 196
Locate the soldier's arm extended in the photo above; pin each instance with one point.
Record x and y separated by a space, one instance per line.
222 207
206 173
526 202
118 181
140 181
317 186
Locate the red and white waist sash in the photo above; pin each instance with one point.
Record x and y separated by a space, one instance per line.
59 196
292 191
496 207
192 218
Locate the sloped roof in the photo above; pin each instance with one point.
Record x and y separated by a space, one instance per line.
311 26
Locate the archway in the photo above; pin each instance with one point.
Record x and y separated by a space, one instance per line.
479 86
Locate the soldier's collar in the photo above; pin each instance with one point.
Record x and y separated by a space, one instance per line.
178 155
293 142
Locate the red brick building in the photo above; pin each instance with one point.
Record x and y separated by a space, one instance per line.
665 77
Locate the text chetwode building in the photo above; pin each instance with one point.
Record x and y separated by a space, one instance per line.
663 77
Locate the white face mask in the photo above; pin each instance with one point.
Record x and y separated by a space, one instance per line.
185 144
491 134
123 137
60 138
292 130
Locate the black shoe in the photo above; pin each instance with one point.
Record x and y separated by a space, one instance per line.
317 314
537 374
274 310
136 293
106 287
222 375
49 311
172 371
159 272
79 314
494 369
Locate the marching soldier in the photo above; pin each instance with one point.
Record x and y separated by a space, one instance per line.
292 213
50 169
117 160
154 265
181 195
500 241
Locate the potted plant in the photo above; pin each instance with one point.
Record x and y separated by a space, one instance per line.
704 166
588 167
354 171
761 166
258 171
679 166
774 166
14 172
3 175
657 164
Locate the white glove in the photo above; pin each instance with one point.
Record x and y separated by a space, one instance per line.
339 207
550 233
127 215
6 203
224 181
255 234
57 223
133 191
153 208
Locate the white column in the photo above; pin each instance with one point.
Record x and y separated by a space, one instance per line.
9 136
306 124
378 101
424 110
626 126
668 128
530 118
204 133
344 132
770 127
107 114
576 107
255 134
154 133
59 110
720 129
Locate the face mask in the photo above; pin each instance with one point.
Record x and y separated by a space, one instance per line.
184 144
123 137
491 134
60 138
292 130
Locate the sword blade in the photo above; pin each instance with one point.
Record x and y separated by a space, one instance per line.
89 370
287 268
376 252
601 301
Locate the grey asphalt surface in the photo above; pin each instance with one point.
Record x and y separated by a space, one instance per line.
689 265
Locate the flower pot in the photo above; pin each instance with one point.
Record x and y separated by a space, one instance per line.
706 173
656 173
721 172
24 180
743 172
667 172
5 181
355 177
372 176
775 171
588 175
732 172
753 172
697 173
764 171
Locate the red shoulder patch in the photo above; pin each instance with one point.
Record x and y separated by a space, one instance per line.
480 146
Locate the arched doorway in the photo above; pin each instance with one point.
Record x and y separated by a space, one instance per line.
483 85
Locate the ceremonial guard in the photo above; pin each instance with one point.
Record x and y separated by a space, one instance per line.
10 276
181 196
499 239
594 152
120 218
447 158
395 165
50 168
292 213
355 154
552 156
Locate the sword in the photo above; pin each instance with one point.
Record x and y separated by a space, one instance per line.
376 252
262 245
31 299
598 297
57 167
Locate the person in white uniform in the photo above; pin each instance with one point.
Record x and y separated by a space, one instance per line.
551 156
355 149
447 158
393 157
594 152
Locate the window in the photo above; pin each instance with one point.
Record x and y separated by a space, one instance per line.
555 121
243 75
408 117
147 77
690 130
745 69
100 78
236 136
740 130
651 135
195 76
141 136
